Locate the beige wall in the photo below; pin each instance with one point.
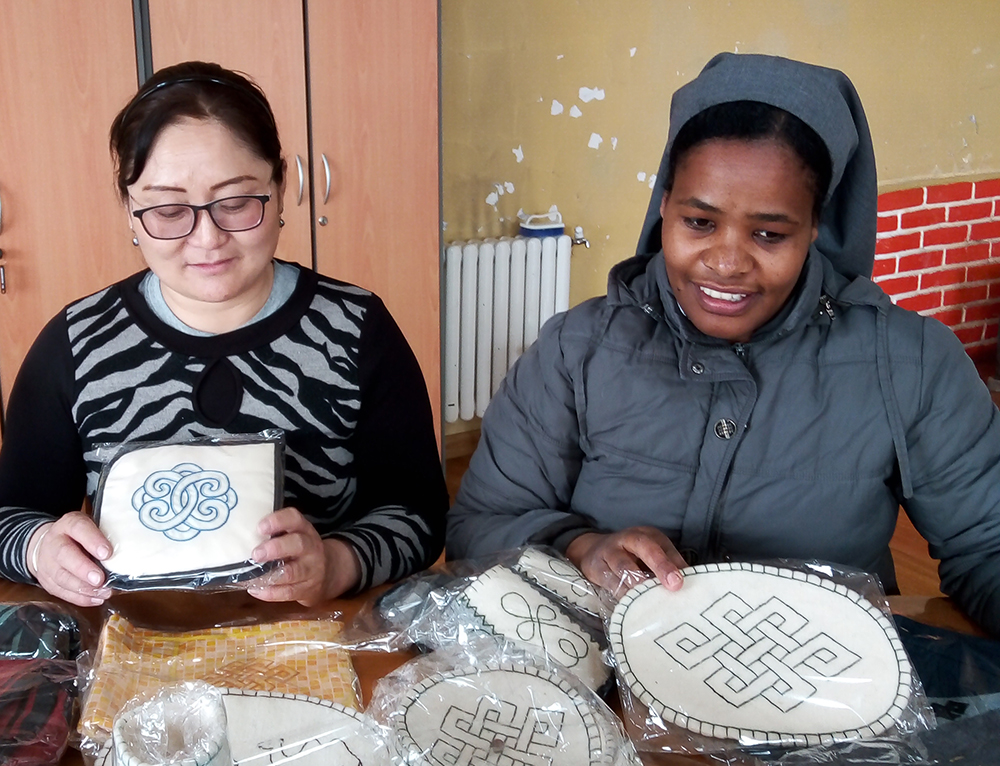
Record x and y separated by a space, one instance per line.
928 72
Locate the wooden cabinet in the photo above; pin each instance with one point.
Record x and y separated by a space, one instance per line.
354 87
66 69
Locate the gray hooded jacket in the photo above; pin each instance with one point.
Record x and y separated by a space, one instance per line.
801 444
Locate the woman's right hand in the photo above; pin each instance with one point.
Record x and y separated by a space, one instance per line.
61 557
620 560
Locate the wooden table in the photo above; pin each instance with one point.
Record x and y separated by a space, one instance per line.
189 611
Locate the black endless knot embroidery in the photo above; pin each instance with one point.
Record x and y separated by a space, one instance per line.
747 653
498 734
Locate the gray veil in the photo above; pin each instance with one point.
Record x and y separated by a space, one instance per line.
825 99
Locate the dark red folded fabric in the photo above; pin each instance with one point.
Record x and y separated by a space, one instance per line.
37 699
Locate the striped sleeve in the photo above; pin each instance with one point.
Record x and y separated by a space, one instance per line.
42 475
401 498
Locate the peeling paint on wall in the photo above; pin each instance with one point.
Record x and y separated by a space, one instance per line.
614 142
591 94
574 111
557 108
595 141
518 153
631 52
641 176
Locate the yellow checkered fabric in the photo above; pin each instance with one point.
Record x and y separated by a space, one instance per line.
293 657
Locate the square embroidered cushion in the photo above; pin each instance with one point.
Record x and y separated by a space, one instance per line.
291 657
182 515
36 708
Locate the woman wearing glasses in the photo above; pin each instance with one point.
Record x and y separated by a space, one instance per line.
219 337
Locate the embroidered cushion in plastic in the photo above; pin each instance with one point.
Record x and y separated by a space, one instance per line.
510 714
762 654
506 604
270 728
186 515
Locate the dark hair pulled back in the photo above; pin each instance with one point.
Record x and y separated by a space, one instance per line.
756 121
197 90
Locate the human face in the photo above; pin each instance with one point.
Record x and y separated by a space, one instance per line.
212 279
737 226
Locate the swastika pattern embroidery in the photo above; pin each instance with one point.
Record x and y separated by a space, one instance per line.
499 734
748 653
185 501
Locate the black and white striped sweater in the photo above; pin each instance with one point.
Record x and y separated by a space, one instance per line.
330 368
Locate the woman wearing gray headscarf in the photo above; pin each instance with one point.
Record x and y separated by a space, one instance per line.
744 391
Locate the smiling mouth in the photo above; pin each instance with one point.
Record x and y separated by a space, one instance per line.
722 296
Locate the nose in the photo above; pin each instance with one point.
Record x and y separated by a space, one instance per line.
206 234
728 256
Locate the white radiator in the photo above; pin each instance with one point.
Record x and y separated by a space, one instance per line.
497 295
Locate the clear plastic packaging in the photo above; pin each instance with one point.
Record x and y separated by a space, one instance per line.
38 630
185 514
490 701
37 704
183 724
275 728
531 596
759 659
291 657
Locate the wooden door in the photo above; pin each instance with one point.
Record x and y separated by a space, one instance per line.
373 69
266 40
66 69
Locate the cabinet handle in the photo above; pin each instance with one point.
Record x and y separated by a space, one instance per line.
326 169
3 277
302 178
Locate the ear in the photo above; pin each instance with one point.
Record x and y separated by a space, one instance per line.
815 231
663 204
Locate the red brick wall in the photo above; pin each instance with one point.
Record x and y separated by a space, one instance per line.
938 253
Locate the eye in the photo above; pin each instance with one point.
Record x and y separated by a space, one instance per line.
233 205
770 237
168 212
698 224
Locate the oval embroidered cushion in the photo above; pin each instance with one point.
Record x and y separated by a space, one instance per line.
762 654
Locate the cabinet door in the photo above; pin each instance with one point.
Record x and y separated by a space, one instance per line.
373 69
264 39
66 69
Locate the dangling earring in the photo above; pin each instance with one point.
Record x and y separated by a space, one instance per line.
135 240
281 222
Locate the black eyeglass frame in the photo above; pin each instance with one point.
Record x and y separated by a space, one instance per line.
207 207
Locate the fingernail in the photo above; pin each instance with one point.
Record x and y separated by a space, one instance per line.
97 601
94 578
103 552
257 555
674 580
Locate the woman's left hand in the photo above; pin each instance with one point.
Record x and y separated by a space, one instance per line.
312 570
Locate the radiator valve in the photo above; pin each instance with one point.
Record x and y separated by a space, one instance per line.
578 238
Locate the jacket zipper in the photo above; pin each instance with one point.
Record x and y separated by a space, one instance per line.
824 300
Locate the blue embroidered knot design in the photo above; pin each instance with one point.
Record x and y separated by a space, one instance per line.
185 501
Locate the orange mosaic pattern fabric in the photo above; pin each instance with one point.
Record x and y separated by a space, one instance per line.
293 657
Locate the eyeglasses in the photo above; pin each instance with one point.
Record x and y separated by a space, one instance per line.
177 220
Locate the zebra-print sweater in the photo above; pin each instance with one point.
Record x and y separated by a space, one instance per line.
330 368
